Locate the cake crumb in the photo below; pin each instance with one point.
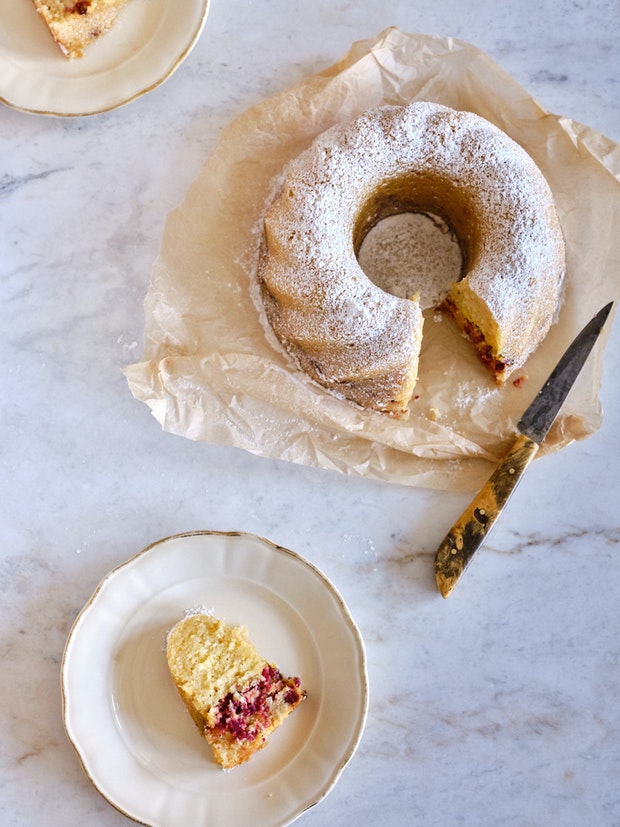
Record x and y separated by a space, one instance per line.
235 697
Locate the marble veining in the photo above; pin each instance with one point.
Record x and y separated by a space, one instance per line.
498 706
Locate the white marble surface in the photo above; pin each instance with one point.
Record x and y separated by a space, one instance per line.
497 707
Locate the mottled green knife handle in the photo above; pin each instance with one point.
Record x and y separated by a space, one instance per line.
472 527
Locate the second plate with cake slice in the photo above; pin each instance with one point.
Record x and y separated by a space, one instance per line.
145 756
148 42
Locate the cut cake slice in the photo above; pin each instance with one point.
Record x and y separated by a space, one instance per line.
235 697
75 24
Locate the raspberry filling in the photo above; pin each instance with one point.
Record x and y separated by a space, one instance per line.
244 714
473 333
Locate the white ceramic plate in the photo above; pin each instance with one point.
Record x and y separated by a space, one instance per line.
148 41
135 739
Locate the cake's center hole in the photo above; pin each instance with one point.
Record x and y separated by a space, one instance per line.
412 253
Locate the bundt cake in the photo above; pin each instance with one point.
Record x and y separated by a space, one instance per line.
234 696
344 331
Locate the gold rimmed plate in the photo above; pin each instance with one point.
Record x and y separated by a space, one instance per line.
134 738
148 42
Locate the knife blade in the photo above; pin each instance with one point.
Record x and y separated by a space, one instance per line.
473 526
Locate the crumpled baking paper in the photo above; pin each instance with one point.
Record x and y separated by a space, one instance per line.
210 369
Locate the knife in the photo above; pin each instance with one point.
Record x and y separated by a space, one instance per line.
473 526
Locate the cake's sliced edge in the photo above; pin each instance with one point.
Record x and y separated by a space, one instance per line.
486 342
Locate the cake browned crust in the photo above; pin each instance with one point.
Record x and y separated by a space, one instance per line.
75 24
344 331
235 697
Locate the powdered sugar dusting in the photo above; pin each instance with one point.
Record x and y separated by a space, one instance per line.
343 328
412 253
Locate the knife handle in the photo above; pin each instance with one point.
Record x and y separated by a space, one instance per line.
470 530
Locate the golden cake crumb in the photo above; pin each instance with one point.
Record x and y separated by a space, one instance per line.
235 697
75 24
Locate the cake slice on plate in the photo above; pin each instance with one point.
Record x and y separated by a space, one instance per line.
76 23
235 697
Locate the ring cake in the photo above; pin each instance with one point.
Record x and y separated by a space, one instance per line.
344 331
234 696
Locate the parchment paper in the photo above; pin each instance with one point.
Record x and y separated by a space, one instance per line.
211 371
